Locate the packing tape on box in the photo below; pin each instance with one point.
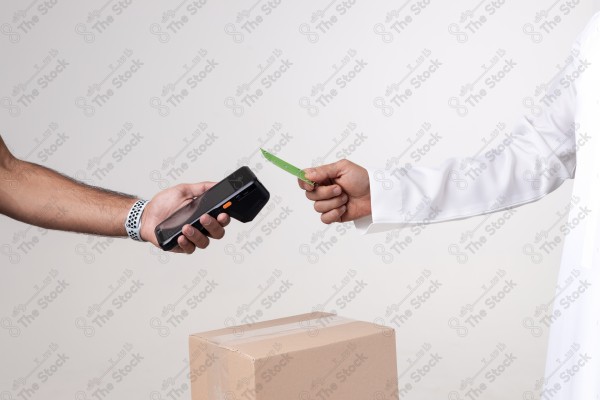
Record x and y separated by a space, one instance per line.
218 378
218 374
280 330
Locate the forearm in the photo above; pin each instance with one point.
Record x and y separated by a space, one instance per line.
39 196
520 173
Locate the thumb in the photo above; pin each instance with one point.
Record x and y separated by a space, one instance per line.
324 172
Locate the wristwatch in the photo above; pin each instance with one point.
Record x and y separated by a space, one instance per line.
133 222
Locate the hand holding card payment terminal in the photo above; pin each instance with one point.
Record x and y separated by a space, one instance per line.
240 195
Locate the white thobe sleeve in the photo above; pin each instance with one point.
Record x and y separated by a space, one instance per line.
521 167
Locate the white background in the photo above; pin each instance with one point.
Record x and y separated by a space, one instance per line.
321 266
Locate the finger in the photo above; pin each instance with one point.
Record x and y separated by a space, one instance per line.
324 172
195 237
305 186
224 219
333 215
324 206
214 229
186 246
324 192
176 249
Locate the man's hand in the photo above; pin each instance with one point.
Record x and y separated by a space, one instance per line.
170 200
342 192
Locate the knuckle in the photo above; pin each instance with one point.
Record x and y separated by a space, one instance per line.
180 187
343 162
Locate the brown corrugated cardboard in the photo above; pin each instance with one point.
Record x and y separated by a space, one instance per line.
316 356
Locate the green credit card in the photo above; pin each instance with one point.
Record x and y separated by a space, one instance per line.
297 172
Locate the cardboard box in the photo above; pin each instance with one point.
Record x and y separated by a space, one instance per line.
317 356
